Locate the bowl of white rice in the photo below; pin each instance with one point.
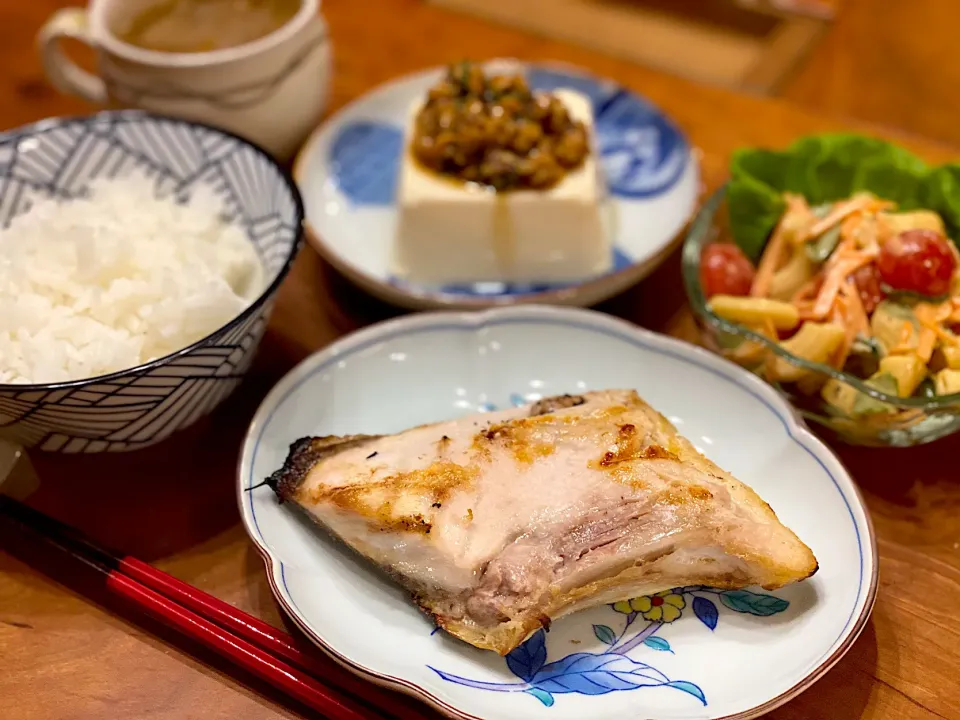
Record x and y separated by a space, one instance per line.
139 259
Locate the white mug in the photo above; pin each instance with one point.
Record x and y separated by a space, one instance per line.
271 91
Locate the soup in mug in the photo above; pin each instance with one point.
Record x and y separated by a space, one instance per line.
194 26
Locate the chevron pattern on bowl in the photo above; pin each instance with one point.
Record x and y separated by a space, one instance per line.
143 405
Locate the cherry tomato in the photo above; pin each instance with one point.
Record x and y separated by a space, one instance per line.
725 270
917 261
867 280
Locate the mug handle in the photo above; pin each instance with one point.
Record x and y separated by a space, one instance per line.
65 74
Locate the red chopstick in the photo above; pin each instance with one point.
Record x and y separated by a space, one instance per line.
245 640
246 655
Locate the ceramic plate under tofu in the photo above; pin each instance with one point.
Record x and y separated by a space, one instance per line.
647 181
687 653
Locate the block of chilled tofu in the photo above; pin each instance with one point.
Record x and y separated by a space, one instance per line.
452 232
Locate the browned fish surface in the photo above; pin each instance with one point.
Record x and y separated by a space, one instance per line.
499 522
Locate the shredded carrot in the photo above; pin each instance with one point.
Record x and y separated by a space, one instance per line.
792 227
841 316
849 313
770 262
808 291
858 314
839 212
850 226
835 276
832 294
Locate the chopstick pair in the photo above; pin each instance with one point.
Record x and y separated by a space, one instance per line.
250 643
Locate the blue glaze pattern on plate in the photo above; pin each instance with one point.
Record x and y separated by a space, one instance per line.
612 670
672 651
365 160
498 289
642 153
349 175
548 80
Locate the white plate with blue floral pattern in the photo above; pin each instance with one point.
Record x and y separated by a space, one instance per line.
347 174
690 653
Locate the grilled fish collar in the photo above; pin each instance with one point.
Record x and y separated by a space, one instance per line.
498 523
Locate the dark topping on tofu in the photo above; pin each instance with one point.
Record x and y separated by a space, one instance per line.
494 131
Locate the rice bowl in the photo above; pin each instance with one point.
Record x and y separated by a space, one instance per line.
135 324
104 283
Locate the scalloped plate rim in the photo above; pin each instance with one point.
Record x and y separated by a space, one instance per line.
796 428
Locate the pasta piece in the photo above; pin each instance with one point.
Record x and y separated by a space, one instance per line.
955 309
811 383
853 403
951 355
930 317
947 381
816 342
896 327
926 343
839 395
789 279
864 404
946 337
797 218
749 352
755 311
908 370
896 223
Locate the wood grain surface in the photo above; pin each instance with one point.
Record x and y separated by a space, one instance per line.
66 656
889 61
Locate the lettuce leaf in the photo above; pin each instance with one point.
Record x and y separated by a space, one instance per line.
830 167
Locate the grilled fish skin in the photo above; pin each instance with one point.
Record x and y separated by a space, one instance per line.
498 523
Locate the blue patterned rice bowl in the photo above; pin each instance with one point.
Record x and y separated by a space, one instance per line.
140 406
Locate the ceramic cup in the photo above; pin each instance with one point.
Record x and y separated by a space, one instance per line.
270 91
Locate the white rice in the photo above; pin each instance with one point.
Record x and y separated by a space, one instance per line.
96 285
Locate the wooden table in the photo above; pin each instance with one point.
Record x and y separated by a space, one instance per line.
65 657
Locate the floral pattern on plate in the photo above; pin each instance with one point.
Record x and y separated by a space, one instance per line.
746 652
612 669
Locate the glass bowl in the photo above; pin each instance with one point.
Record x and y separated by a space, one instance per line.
892 421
